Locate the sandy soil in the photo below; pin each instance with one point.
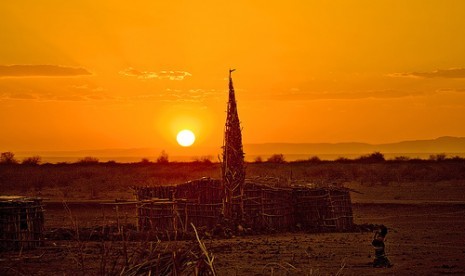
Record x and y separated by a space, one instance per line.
424 239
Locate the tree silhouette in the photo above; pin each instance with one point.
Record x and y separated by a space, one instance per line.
88 160
276 158
375 157
33 160
163 158
8 158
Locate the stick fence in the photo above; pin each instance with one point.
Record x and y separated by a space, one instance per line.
266 206
21 222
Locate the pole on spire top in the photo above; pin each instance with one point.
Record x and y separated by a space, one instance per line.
230 72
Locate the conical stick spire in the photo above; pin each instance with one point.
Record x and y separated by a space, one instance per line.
233 170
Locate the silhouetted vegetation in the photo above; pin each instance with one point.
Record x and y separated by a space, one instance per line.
276 158
8 158
203 159
89 178
88 160
258 159
314 159
438 157
145 161
375 157
343 160
401 158
32 161
163 158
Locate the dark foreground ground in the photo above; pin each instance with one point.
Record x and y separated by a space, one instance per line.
424 239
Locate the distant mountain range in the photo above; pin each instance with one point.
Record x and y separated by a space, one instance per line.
418 148
440 145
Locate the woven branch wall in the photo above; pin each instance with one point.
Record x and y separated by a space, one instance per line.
21 223
266 208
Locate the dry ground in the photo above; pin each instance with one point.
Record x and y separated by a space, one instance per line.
426 221
423 240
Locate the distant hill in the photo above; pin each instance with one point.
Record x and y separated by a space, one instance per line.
292 151
439 145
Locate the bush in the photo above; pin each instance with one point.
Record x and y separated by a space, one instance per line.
401 158
375 157
314 159
206 159
163 158
276 158
438 157
342 160
145 161
88 160
8 158
33 160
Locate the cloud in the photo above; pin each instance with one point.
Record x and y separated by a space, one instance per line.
50 97
20 96
453 73
168 75
451 90
302 95
18 71
87 87
180 96
174 75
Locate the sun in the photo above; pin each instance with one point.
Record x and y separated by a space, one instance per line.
185 138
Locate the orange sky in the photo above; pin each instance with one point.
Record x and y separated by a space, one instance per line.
131 74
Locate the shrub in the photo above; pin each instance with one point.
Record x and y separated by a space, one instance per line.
8 158
88 160
438 157
342 160
258 159
456 158
402 158
314 159
375 157
206 159
145 161
163 158
276 158
33 160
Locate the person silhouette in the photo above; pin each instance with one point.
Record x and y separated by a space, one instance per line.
380 253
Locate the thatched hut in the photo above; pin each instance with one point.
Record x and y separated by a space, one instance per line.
21 222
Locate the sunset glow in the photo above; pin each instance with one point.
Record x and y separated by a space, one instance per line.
97 74
185 138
